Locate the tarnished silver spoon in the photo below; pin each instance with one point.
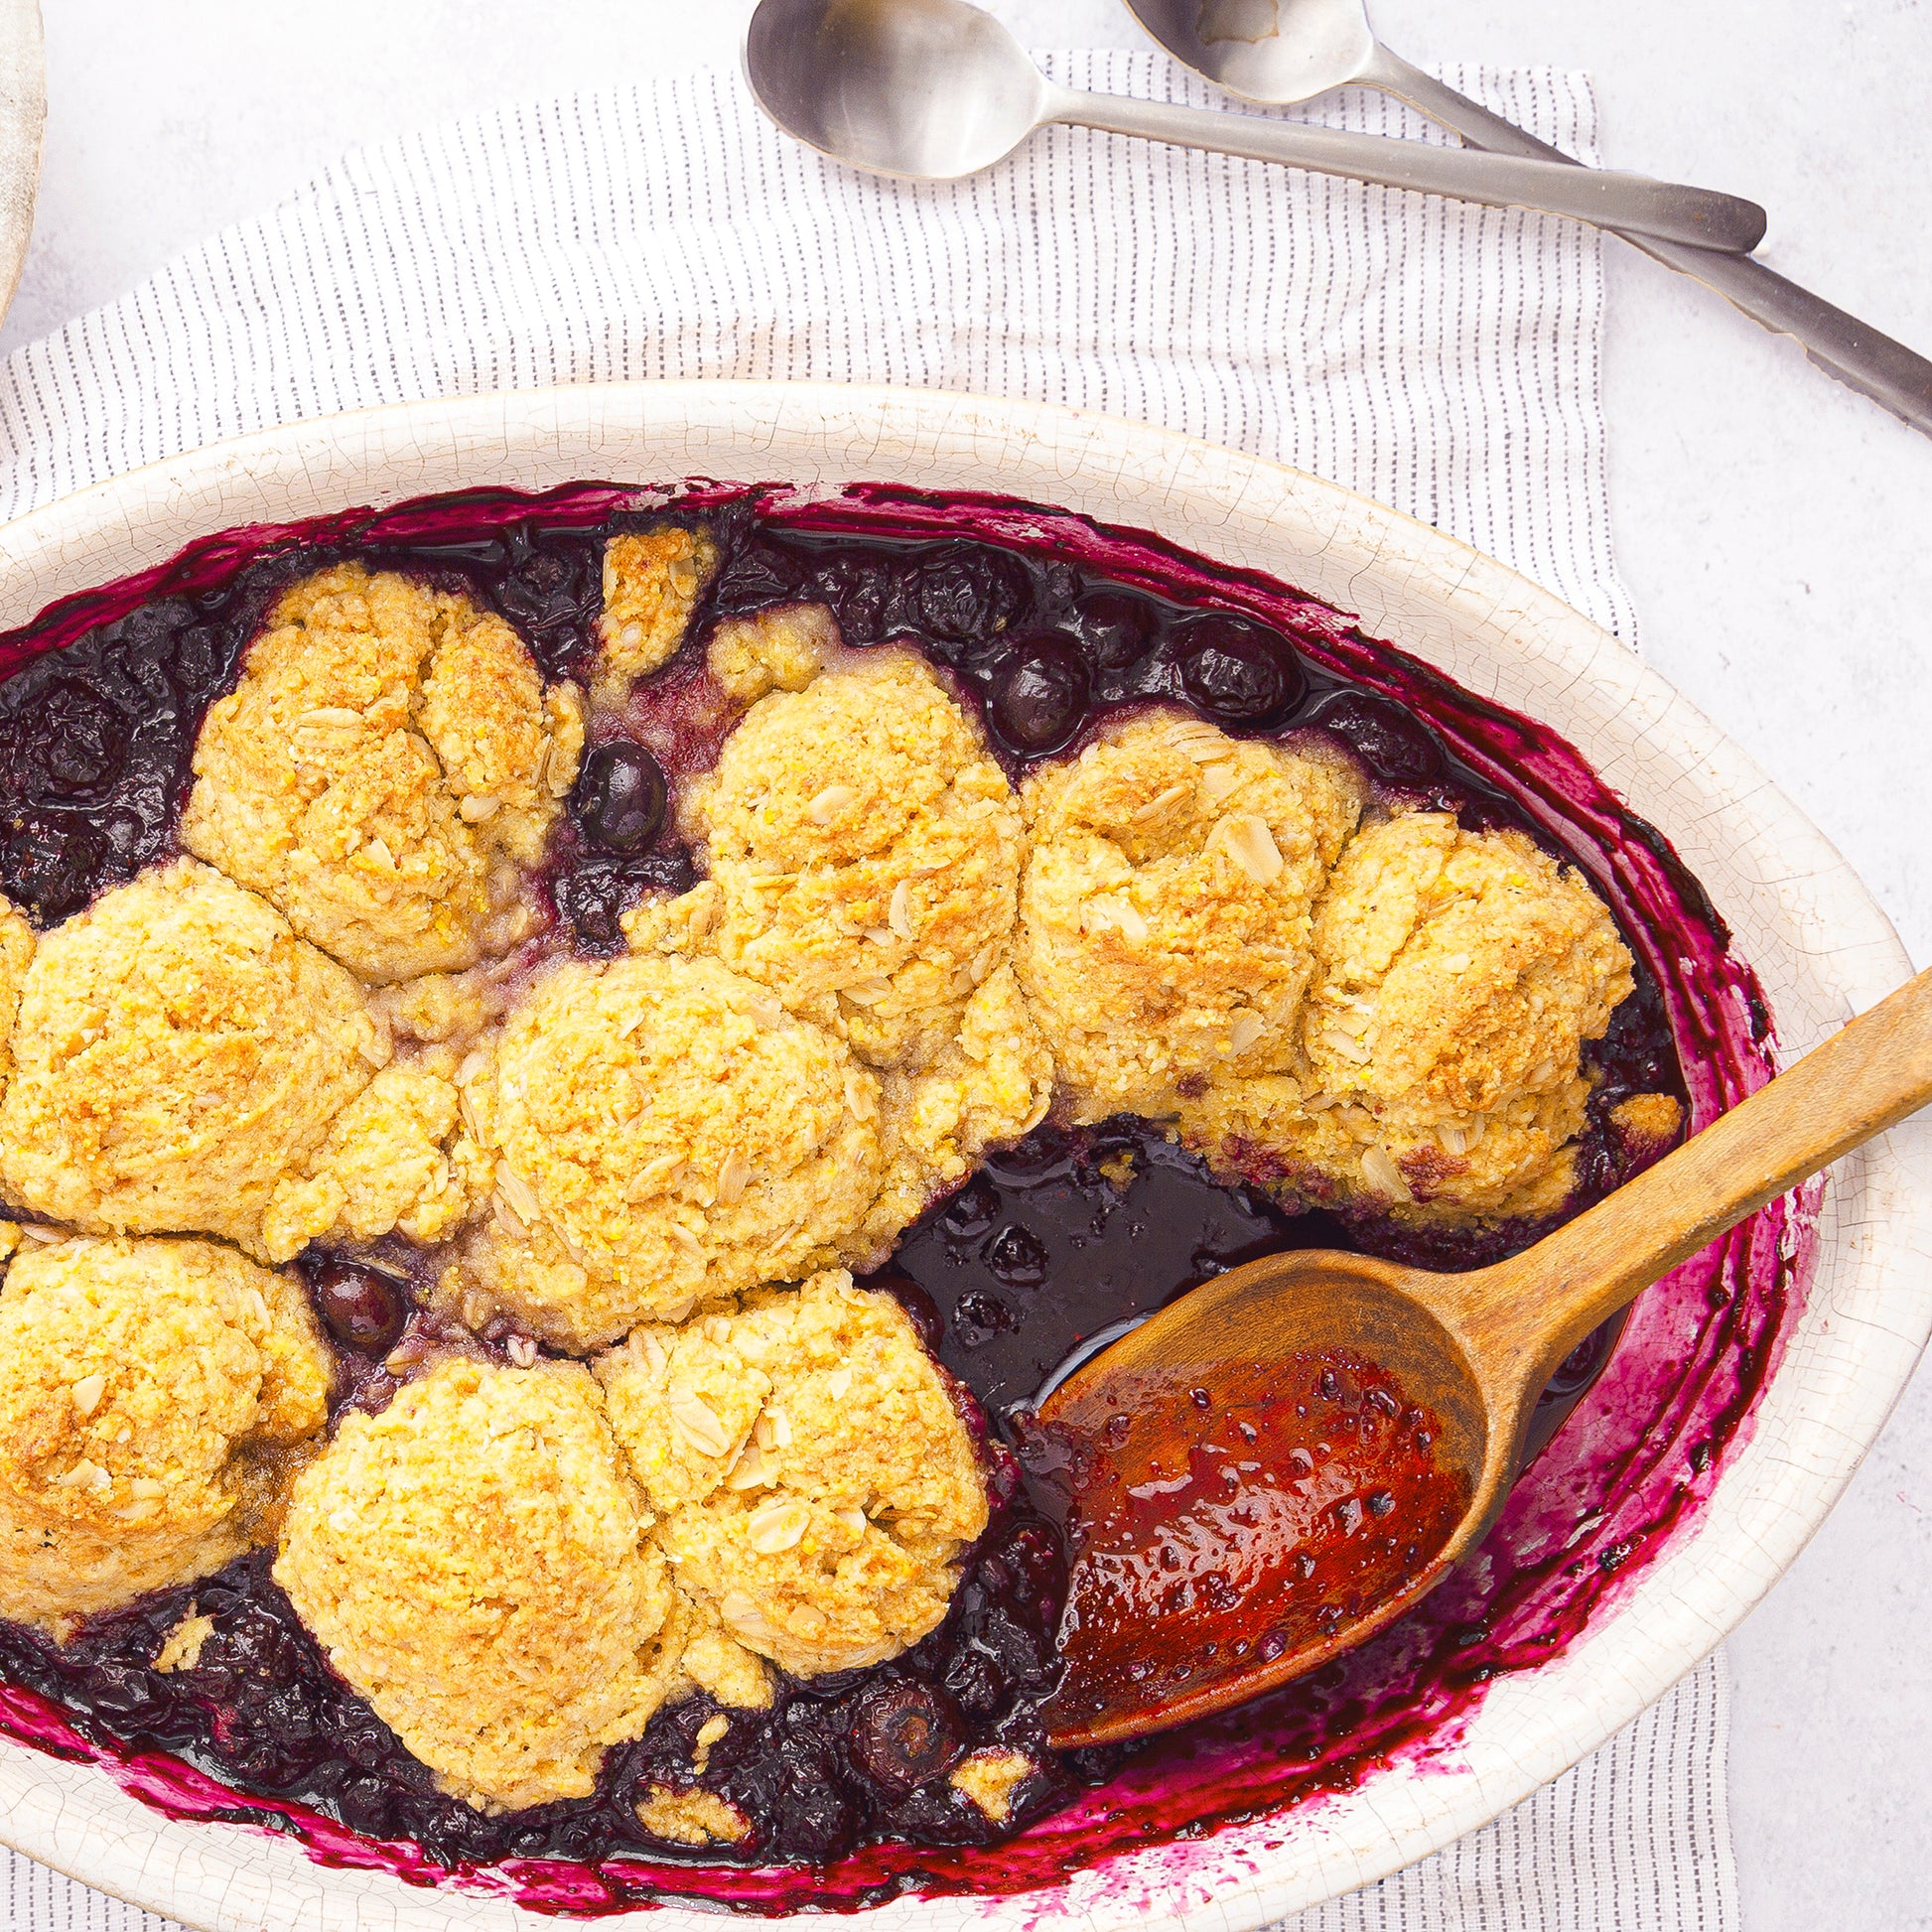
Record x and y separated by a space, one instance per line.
1280 52
932 89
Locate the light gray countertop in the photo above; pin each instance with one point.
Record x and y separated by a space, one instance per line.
1774 530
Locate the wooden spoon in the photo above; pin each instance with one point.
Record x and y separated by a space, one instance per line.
1471 1352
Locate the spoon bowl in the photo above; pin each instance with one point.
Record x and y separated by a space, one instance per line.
1274 52
925 89
1301 1317
1281 1461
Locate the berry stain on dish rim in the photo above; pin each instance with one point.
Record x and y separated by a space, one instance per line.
1084 619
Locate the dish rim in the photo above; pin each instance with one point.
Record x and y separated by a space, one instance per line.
1439 599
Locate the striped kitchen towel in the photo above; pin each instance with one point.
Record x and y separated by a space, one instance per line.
1439 356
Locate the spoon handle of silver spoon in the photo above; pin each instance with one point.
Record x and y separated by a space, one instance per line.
1665 211
1862 357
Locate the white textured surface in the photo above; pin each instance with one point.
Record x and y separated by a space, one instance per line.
23 110
1768 526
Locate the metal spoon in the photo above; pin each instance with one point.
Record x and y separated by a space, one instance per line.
1475 1349
1280 52
933 89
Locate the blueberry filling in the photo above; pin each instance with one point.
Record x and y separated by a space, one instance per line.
1054 1241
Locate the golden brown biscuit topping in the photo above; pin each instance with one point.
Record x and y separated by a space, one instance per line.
1457 976
476 1561
178 1053
866 851
387 763
1168 906
144 1386
656 1131
810 1468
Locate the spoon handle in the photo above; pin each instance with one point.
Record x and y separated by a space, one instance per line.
1663 209
1862 357
1529 1313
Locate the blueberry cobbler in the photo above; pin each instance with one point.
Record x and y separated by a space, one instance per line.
569 1066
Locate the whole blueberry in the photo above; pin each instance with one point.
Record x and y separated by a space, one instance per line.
1394 745
620 797
1017 1257
975 1681
1236 670
903 1733
197 658
73 737
362 1307
52 864
971 593
1038 702
593 898
861 591
920 1308
1120 627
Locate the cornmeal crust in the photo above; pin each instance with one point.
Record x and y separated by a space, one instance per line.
144 1388
387 762
476 1562
779 649
385 1165
879 904
811 1471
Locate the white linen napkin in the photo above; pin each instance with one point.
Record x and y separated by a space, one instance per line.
1439 357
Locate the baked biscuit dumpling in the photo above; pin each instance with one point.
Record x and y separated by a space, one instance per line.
384 1166
867 853
475 1562
178 1053
987 1085
657 1130
812 1476
1167 906
653 579
144 1388
1458 974
387 762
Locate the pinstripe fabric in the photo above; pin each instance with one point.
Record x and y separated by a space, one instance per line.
1440 358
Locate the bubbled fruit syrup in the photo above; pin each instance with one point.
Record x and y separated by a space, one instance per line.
1218 1518
1049 627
